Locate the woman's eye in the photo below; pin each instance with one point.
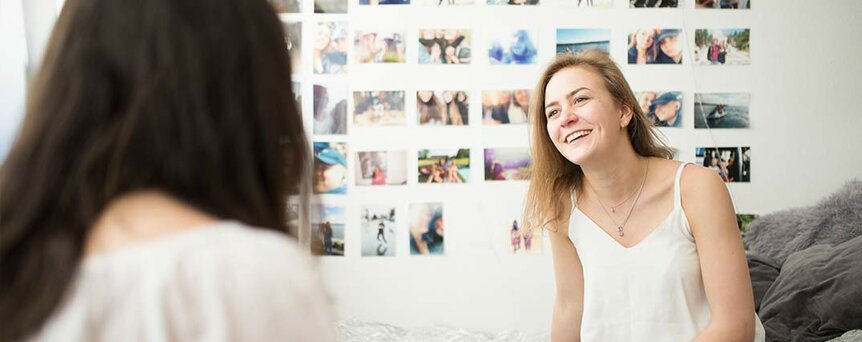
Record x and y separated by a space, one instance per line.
580 99
552 113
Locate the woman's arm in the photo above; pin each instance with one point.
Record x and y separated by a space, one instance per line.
569 302
726 280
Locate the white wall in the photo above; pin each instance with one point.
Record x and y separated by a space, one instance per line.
803 79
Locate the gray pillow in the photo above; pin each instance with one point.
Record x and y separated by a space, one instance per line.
835 219
817 296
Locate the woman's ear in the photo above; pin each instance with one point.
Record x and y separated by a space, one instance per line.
626 114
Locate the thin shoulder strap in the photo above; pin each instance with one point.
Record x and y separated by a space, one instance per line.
677 198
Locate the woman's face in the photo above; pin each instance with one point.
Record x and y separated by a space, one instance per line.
324 35
645 38
523 97
583 119
646 100
461 97
447 96
425 95
438 226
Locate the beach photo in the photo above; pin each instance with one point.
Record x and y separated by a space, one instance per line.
574 40
327 229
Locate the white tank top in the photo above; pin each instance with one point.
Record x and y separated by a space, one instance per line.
652 291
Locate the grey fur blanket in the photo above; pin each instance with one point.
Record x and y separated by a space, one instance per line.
835 219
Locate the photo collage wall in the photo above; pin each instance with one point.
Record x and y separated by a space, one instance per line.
340 111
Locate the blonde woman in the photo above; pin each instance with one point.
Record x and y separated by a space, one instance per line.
645 248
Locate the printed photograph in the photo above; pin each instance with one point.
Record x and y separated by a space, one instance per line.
426 229
655 46
286 6
721 110
574 40
293 41
378 230
512 47
292 216
330 168
330 108
443 2
722 47
662 109
442 107
588 3
378 108
733 164
378 47
654 3
384 2
722 4
381 168
330 6
507 163
444 46
500 107
327 229
329 53
444 166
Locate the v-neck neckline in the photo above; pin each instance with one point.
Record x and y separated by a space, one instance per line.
617 243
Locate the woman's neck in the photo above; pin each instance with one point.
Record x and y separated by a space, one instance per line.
141 216
615 178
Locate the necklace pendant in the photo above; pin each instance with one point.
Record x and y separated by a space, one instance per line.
620 231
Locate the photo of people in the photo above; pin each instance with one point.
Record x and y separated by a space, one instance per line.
722 4
653 3
444 166
330 6
500 107
293 41
662 109
444 46
426 229
722 47
381 168
513 2
655 46
330 108
286 6
507 163
378 108
378 229
327 229
330 168
588 3
443 2
329 53
512 47
378 47
574 40
721 110
442 107
733 164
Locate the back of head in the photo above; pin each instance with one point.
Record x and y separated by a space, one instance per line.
553 176
192 98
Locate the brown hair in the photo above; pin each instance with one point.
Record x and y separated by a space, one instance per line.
554 177
192 98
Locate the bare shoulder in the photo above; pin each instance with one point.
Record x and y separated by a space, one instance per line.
698 183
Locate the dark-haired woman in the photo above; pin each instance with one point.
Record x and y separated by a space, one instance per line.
145 196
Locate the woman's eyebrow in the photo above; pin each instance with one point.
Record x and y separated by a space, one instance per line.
567 96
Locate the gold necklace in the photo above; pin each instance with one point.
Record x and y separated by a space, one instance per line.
631 209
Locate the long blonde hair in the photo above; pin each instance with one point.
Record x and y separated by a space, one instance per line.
554 177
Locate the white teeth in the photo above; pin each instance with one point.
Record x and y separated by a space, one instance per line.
576 135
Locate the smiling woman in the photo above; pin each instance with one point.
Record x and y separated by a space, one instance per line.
627 257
